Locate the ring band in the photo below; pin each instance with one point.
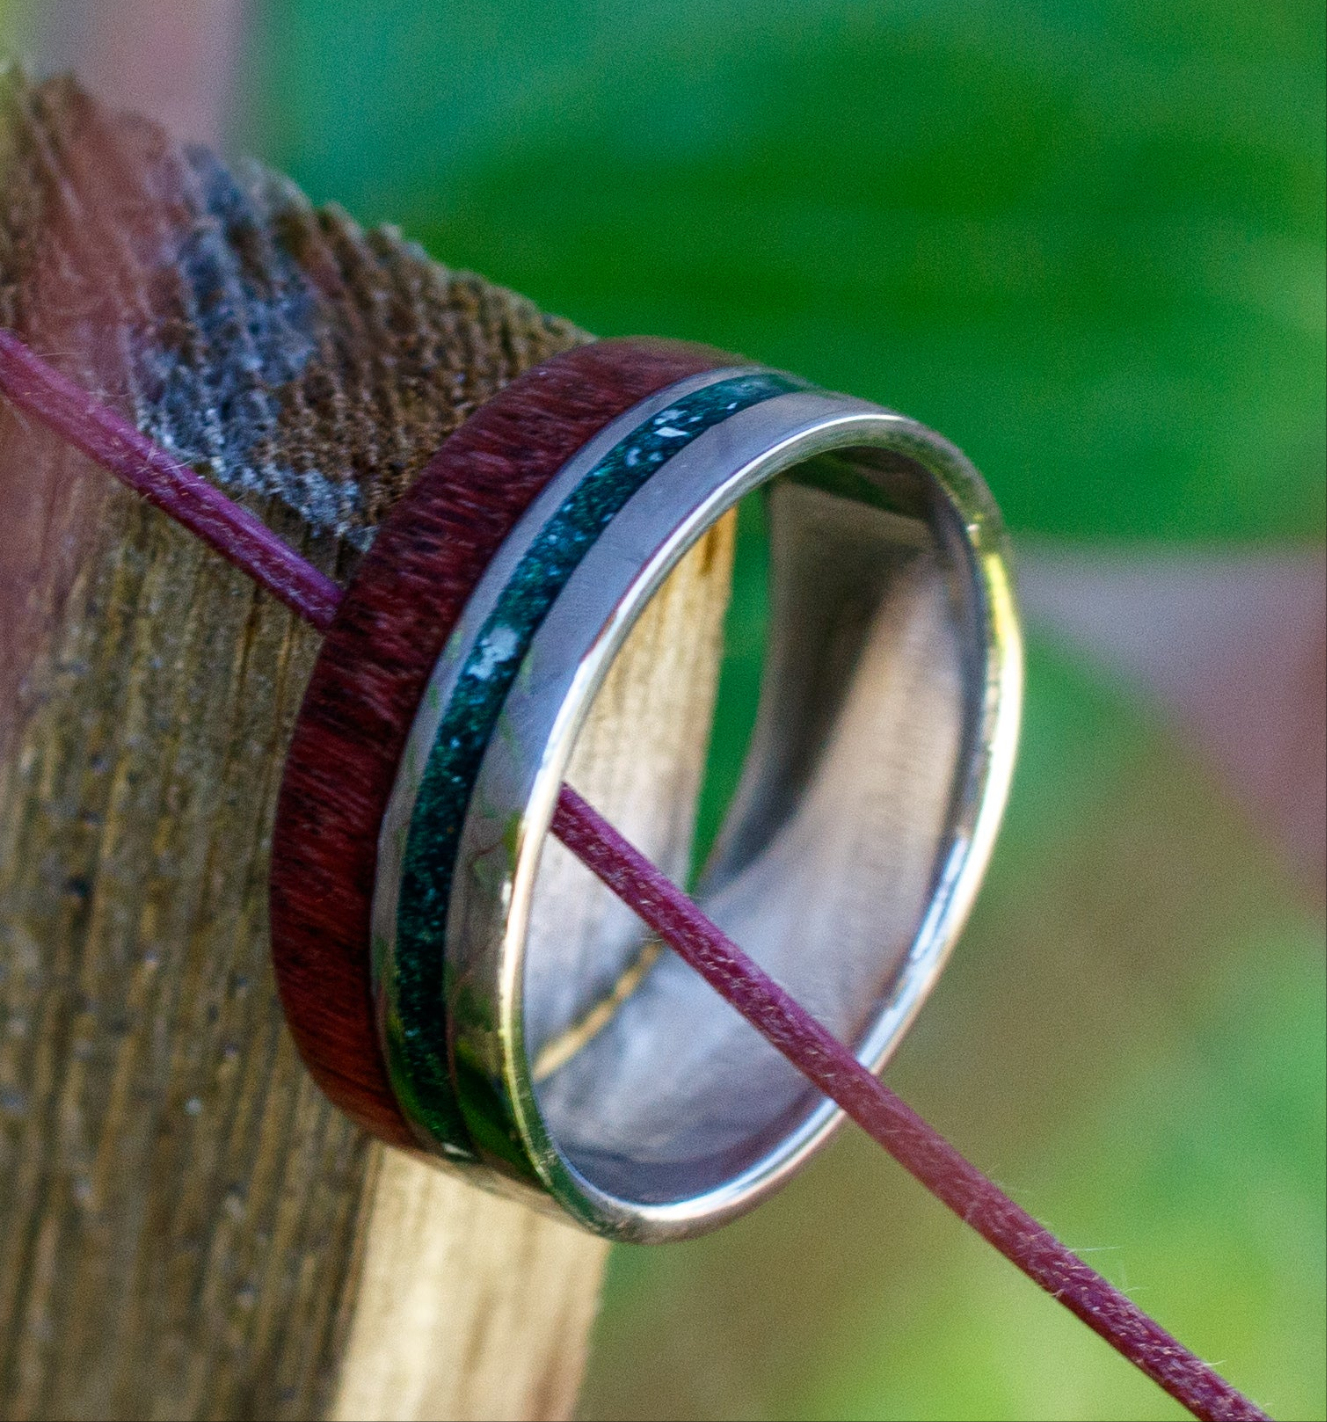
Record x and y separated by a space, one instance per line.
370 675
876 777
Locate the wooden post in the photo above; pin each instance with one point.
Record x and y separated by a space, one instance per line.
186 1228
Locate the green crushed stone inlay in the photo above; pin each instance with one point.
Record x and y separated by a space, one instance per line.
420 1072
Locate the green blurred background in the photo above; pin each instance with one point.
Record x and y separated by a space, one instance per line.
1085 240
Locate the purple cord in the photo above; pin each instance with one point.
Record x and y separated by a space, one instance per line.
109 440
917 1147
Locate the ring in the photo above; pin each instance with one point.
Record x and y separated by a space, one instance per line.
609 1080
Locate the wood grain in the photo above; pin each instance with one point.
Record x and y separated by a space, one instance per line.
187 1227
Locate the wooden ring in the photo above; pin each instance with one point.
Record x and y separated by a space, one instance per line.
371 672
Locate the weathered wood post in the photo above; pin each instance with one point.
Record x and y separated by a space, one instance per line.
186 1228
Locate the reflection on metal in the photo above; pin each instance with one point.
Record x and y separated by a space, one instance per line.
558 1051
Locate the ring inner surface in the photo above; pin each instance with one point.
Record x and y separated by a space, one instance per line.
652 1087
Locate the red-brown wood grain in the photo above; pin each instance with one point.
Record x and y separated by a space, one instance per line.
371 673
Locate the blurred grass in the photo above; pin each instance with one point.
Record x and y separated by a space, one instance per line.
1085 240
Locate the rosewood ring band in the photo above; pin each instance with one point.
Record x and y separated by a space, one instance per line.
874 780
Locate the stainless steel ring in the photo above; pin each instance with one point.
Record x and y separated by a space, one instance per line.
872 791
